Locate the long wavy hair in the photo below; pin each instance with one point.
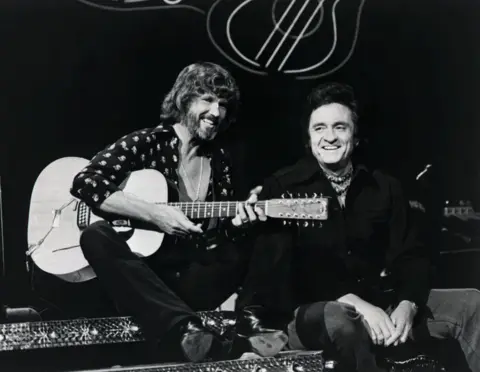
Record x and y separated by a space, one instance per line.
195 80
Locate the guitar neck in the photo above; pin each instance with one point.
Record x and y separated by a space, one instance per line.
211 209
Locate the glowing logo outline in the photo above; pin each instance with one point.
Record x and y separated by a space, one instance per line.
256 67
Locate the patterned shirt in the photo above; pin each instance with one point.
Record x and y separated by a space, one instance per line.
153 148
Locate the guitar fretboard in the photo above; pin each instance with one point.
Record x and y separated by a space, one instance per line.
211 209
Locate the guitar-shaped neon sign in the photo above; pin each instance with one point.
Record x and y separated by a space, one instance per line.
307 39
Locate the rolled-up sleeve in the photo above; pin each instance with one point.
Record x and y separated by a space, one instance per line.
110 167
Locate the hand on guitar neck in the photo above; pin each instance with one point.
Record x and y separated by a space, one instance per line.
168 219
246 214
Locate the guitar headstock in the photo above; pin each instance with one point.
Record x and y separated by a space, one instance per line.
463 210
307 211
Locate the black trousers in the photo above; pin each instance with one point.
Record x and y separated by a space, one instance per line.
340 330
157 296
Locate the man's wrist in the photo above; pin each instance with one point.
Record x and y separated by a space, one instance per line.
411 304
352 300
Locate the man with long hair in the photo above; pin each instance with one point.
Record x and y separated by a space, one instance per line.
164 291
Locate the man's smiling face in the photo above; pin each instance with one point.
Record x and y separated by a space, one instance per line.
331 133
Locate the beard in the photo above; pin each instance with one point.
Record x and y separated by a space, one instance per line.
199 132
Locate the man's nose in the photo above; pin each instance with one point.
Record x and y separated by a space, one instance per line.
214 109
330 135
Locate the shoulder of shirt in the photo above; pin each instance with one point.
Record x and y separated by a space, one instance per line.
301 171
383 175
385 180
160 131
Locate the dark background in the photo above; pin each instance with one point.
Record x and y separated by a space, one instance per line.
75 78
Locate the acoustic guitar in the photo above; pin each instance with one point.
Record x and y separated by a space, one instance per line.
57 219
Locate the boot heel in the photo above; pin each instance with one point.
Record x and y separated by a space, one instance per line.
268 344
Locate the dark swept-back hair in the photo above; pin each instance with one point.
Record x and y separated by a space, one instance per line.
325 94
195 80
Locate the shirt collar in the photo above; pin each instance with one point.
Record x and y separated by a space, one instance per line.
167 130
308 167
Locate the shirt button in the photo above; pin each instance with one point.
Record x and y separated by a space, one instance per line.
177 274
349 253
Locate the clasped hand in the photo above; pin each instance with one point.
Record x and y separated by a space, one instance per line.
387 330
172 221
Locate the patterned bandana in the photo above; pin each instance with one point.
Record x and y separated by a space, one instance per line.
341 183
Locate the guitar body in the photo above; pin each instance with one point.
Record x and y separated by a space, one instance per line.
57 219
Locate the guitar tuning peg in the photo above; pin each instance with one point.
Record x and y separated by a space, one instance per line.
284 223
305 224
298 223
315 195
283 196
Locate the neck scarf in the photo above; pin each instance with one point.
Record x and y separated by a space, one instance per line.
341 183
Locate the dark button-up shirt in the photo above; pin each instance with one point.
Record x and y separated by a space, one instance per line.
351 249
152 148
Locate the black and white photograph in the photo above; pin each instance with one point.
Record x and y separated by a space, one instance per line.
240 186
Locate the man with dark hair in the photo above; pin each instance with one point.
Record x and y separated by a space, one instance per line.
362 278
164 291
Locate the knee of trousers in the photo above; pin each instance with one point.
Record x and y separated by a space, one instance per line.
322 324
342 321
472 305
95 240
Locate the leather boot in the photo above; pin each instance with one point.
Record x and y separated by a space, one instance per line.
198 344
252 335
